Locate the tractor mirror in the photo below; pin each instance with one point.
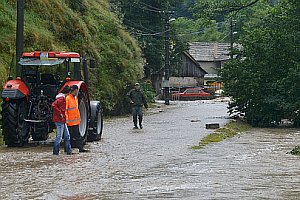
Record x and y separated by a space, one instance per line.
92 63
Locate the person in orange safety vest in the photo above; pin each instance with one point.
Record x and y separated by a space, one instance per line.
73 118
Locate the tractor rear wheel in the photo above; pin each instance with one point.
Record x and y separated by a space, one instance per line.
83 109
15 129
96 123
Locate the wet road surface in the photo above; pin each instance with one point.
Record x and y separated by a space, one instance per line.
157 162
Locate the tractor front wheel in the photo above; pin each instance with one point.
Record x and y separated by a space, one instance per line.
15 129
96 122
83 109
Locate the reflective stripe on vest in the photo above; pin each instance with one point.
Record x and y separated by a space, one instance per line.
73 120
73 108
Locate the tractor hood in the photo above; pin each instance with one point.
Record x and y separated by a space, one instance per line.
39 62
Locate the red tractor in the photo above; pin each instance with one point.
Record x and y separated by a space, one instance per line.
26 107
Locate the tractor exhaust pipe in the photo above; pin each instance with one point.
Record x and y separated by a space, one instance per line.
85 69
19 35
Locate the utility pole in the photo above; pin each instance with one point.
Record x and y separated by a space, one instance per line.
231 38
235 11
19 34
166 84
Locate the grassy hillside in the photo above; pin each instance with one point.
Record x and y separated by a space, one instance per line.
80 25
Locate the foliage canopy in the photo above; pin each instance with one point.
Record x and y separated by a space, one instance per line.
146 21
263 80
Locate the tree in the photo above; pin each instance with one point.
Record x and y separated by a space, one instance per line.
145 20
264 78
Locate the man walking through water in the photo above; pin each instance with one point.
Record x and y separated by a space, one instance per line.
137 100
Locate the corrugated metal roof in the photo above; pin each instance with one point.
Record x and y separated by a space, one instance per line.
206 51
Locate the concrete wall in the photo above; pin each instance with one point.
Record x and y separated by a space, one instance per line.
184 82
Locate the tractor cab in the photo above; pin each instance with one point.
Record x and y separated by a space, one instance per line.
46 72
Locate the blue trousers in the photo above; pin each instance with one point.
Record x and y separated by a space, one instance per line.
62 130
137 113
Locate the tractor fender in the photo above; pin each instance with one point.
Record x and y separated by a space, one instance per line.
70 83
15 89
81 85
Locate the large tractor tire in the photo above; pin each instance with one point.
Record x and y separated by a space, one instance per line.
40 131
83 109
15 129
96 122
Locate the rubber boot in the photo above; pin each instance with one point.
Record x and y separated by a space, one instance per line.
140 122
135 122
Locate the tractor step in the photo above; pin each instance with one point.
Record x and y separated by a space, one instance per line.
34 121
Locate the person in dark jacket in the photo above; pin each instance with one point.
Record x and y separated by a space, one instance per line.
59 118
137 100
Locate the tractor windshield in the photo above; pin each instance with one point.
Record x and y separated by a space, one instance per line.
60 68
39 62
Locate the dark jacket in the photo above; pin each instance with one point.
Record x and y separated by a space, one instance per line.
137 98
59 109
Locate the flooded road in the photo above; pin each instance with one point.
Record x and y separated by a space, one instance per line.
157 162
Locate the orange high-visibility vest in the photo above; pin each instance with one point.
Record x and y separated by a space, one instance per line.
72 111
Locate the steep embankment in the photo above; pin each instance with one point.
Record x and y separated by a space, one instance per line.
79 26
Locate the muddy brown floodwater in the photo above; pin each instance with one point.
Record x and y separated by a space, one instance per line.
159 163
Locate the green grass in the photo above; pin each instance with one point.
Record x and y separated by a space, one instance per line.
1 136
229 131
295 151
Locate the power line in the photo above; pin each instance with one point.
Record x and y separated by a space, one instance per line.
141 33
137 25
146 31
190 33
146 9
150 6
152 9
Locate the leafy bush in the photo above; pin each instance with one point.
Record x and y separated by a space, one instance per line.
149 91
296 150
